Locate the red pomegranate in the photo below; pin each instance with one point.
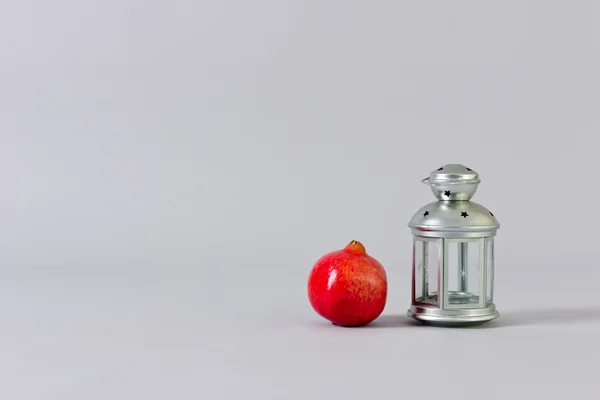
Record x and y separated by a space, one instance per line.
348 287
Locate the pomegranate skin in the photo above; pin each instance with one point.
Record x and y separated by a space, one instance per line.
348 287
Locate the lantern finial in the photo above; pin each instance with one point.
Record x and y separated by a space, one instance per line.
453 182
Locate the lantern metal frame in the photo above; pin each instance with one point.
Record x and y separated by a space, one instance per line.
454 219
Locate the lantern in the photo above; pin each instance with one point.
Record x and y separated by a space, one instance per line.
453 253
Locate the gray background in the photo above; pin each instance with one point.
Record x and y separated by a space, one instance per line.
171 170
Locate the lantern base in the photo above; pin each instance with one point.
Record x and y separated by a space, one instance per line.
464 317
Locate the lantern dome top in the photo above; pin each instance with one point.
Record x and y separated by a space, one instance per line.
454 216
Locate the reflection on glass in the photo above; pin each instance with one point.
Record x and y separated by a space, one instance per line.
464 274
433 269
426 264
418 270
490 271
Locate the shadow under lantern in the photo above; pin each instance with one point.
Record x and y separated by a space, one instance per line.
453 253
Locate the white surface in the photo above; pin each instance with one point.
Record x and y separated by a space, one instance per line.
154 337
171 171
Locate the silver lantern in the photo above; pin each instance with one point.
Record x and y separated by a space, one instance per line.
453 253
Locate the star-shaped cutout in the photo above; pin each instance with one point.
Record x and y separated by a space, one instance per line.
464 214
440 168
469 169
491 214
447 193
426 213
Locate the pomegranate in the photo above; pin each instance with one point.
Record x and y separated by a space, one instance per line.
348 287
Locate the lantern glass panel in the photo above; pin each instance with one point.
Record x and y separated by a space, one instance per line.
426 264
489 272
418 270
463 273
